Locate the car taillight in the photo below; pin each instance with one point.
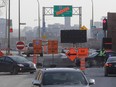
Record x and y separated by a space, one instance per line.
108 64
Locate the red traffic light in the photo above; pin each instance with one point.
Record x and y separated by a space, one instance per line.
104 21
105 24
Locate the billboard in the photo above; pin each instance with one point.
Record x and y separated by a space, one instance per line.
73 36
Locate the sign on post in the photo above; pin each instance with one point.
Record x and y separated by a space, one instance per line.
52 46
82 54
37 45
20 45
62 11
71 54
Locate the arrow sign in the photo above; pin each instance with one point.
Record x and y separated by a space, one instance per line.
71 54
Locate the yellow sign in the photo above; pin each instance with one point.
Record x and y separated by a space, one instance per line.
44 36
83 28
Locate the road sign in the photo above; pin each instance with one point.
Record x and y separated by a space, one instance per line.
82 52
20 45
83 28
37 45
52 46
71 54
62 11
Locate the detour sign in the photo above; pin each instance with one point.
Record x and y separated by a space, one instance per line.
82 52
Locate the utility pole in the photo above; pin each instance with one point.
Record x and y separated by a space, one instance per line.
92 14
19 27
9 29
19 20
39 32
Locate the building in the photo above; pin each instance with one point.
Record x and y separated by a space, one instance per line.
111 32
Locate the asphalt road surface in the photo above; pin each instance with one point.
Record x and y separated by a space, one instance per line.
25 79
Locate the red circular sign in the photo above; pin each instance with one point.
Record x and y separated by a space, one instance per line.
20 45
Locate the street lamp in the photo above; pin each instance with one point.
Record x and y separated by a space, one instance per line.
92 13
9 29
6 22
39 19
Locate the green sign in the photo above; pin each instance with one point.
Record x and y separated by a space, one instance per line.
62 11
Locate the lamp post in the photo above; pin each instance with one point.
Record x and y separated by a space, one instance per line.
19 22
39 19
6 23
9 29
92 13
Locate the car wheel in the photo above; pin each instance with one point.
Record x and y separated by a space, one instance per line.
38 65
28 55
106 73
41 54
31 72
14 71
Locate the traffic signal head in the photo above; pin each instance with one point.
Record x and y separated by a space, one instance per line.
105 24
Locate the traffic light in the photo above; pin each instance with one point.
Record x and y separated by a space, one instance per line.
105 26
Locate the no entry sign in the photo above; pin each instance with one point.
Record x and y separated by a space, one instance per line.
20 45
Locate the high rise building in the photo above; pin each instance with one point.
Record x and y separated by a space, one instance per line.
67 22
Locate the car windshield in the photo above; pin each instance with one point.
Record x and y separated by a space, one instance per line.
64 78
19 59
111 59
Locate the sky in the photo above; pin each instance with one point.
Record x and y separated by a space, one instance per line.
29 11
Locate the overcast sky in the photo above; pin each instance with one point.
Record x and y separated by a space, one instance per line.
29 11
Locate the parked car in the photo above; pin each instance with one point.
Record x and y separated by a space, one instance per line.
15 64
61 77
30 50
110 66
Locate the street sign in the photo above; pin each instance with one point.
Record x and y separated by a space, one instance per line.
82 52
71 54
37 45
62 11
83 28
52 47
20 45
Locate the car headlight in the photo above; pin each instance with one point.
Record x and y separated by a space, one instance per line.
21 65
34 65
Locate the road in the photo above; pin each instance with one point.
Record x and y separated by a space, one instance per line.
101 81
25 79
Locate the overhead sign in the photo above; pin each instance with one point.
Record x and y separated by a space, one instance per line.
20 45
71 54
62 11
52 47
37 45
82 52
